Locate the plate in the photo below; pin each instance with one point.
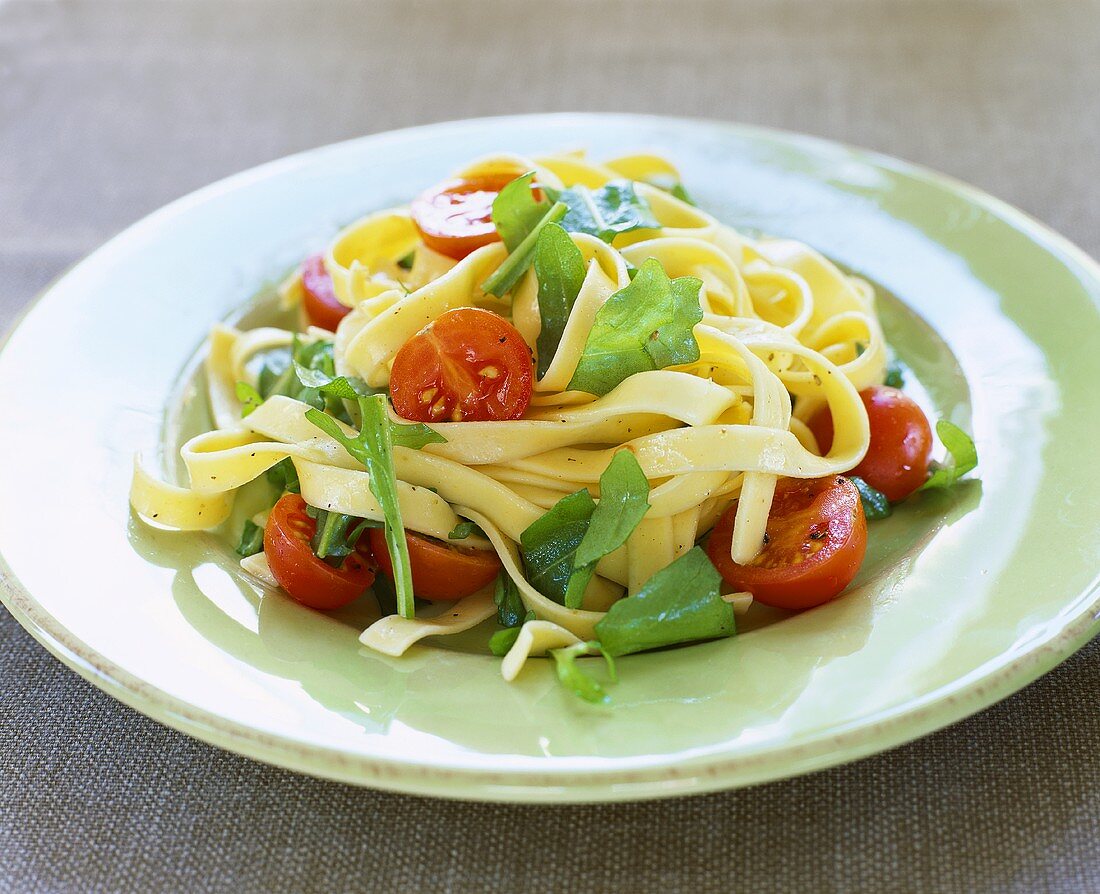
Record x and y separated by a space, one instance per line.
964 597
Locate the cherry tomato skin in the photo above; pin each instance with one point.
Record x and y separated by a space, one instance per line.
901 441
455 218
306 578
319 297
440 572
469 365
817 536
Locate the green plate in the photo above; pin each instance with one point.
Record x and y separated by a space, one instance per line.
965 597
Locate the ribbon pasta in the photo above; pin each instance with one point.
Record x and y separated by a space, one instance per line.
782 326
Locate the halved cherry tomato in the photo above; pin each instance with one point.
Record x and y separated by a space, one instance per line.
815 541
306 578
901 441
320 302
456 217
440 571
469 365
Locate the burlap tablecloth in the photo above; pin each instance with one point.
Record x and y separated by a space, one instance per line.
108 110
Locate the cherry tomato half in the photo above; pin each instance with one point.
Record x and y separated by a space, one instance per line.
441 571
816 538
901 441
309 580
456 217
322 307
469 365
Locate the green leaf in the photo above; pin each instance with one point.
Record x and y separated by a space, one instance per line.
559 267
875 503
894 374
646 325
605 212
332 540
505 277
279 372
373 447
465 529
962 456
678 192
624 499
342 387
249 397
510 609
550 543
284 476
406 262
576 680
385 595
415 435
516 212
681 603
672 186
252 539
502 641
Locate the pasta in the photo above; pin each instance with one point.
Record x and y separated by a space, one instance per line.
713 411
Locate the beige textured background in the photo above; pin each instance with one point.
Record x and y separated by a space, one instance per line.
110 109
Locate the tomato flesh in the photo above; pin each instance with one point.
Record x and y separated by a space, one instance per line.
816 539
455 218
440 571
897 458
469 365
307 579
319 296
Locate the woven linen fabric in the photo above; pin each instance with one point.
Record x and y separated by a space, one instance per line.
110 109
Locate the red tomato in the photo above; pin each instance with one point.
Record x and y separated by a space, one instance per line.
456 217
309 580
901 442
321 305
440 571
470 365
815 541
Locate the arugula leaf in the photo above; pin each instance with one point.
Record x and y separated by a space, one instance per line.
342 387
414 435
284 476
550 543
505 277
510 610
516 212
559 267
385 595
275 364
645 325
406 262
249 397
678 192
252 539
576 680
465 529
894 374
604 213
279 372
329 537
680 603
962 457
875 504
672 186
501 642
624 499
373 447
